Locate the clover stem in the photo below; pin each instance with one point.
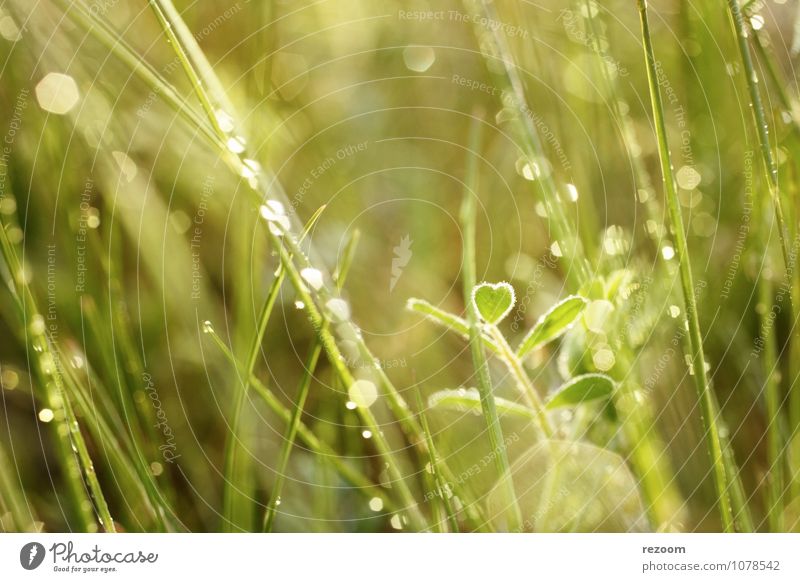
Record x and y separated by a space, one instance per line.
522 380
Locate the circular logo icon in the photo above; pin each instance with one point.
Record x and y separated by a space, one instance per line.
31 555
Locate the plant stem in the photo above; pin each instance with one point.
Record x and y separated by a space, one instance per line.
705 395
524 384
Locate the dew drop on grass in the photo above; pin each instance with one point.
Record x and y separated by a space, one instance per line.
207 327
313 277
37 326
572 191
339 308
350 405
376 504
236 144
46 415
224 120
667 252
757 22
396 523
555 248
367 434
419 58
674 311
528 169
299 305
363 393
156 468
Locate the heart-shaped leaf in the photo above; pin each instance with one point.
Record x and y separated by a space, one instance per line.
581 389
493 301
552 324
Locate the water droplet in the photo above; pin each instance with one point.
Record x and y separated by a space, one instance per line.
367 434
236 144
46 415
207 327
674 311
395 522
555 248
224 120
313 277
37 326
363 393
572 192
339 308
757 21
528 169
299 304
156 468
667 252
376 504
350 405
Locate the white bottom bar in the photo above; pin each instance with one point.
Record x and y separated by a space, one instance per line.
402 557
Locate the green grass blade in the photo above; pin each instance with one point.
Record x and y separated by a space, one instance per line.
513 517
707 402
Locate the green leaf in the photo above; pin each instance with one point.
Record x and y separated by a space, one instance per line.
553 324
581 389
493 301
468 400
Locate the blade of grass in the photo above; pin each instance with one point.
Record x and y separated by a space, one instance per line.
304 433
513 518
66 428
289 438
235 498
443 509
302 393
705 395
572 253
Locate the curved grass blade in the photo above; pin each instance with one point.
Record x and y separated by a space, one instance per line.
706 397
